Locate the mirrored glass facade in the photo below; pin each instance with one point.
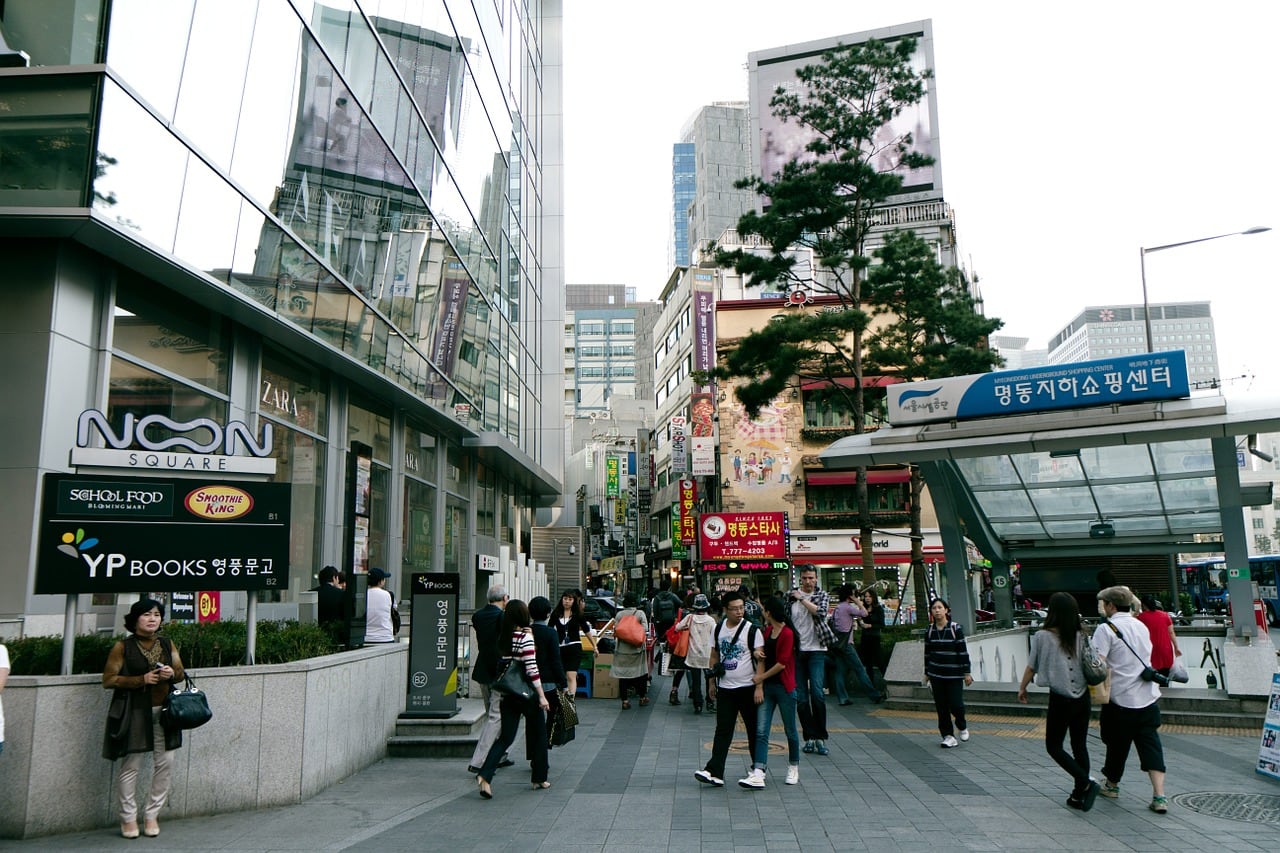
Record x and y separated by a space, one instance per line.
304 212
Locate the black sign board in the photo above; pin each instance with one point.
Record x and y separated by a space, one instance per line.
182 607
120 534
433 646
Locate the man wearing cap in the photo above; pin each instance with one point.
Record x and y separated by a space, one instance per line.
378 604
486 623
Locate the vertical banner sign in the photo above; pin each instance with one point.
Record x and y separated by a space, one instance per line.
611 486
704 331
449 314
620 510
1269 751
433 646
678 550
679 461
688 505
644 477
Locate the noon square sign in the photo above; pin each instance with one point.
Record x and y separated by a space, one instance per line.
121 534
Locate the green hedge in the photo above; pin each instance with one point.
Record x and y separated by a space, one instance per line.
203 645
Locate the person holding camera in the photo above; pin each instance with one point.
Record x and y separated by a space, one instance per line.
1132 717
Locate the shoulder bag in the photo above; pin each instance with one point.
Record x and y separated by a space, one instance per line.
514 681
629 630
185 708
1091 663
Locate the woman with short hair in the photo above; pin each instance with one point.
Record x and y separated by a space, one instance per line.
140 670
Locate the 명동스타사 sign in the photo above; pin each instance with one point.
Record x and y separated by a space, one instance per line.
1076 385
744 535
121 534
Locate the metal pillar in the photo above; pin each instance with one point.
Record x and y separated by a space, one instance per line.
1234 543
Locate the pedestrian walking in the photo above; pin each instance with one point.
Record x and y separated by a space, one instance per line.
1132 717
734 685
946 671
849 668
516 647
1055 663
701 626
808 605
779 681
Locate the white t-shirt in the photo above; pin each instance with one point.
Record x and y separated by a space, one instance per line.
377 624
739 666
4 664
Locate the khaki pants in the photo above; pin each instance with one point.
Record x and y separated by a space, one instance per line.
131 765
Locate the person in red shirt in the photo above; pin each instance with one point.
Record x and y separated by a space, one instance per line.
1164 642
779 680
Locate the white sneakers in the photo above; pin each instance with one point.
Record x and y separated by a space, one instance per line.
964 734
705 777
754 779
793 774
949 741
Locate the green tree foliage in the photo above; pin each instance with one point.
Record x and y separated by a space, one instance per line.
821 206
934 330
824 202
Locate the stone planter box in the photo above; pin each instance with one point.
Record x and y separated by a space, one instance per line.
279 735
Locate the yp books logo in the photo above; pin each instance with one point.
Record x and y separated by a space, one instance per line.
74 543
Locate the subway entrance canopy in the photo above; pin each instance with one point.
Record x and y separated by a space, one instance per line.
1071 460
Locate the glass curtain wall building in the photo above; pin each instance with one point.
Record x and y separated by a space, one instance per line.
334 217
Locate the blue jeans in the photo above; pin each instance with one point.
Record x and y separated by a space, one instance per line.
776 696
811 699
847 661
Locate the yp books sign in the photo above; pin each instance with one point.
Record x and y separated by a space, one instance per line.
119 534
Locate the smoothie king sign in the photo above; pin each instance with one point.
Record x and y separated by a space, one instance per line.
114 534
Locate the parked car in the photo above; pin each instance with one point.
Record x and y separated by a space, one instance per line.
599 609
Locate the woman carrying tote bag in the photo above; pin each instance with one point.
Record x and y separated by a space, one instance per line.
516 648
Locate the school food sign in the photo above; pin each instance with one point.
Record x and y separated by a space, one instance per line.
1077 385
116 534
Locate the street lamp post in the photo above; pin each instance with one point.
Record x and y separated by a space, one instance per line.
1142 259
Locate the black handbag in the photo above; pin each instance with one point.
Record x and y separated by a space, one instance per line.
514 681
185 708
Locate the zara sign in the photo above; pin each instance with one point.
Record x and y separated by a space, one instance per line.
203 438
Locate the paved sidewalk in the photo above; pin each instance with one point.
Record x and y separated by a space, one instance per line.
626 783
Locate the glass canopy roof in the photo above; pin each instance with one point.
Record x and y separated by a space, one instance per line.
1161 488
1152 478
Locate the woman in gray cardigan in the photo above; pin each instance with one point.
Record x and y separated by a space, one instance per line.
1055 663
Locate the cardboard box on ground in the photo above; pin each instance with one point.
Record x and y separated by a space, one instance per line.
603 684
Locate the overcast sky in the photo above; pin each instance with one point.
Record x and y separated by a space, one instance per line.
1070 135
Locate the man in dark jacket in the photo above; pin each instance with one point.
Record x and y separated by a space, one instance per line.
663 609
331 603
486 624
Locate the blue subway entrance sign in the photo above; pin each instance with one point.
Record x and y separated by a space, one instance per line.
1102 382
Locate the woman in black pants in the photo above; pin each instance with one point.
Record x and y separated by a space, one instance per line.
869 642
516 648
1055 662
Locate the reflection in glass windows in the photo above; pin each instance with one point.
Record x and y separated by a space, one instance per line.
157 328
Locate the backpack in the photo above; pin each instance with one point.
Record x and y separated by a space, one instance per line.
664 607
751 634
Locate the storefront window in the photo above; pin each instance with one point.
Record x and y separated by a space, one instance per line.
419 453
486 502
419 507
456 536
141 392
165 331
294 397
371 428
300 462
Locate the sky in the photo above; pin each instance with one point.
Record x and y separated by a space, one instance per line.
1070 135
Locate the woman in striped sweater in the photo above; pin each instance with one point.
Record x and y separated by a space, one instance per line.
516 647
946 671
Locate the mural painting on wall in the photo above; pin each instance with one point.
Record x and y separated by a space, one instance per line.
761 456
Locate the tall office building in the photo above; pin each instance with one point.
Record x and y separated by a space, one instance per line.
331 224
601 359
713 153
1102 331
